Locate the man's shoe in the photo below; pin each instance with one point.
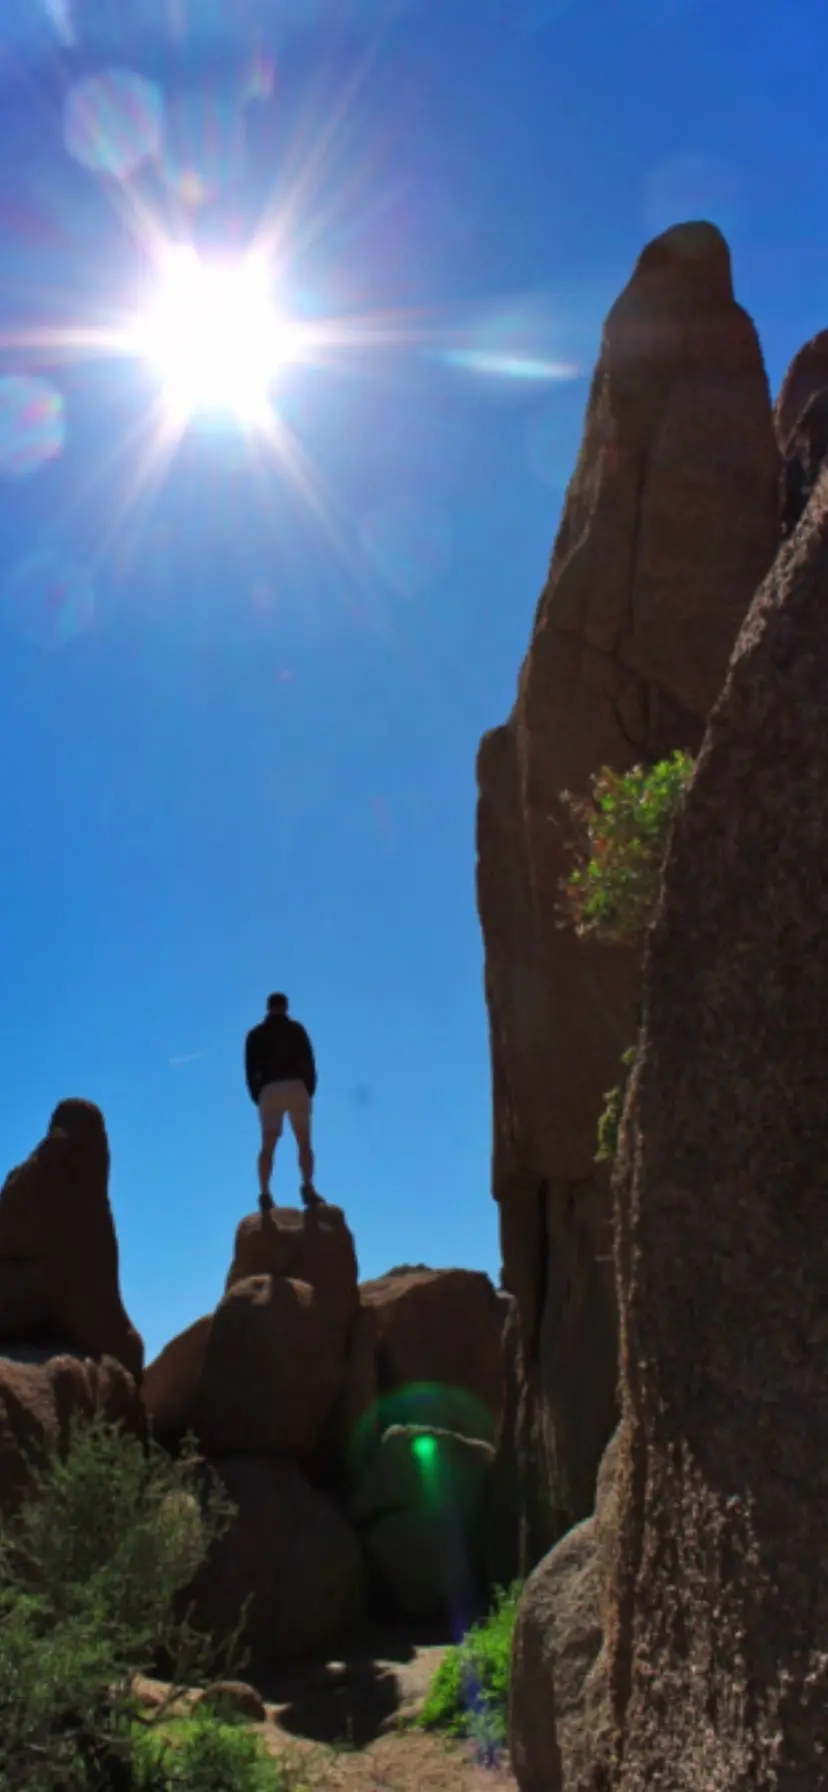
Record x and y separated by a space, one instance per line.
265 1204
310 1198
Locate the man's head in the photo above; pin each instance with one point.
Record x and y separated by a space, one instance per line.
277 1004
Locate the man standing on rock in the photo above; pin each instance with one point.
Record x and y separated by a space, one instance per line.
281 1078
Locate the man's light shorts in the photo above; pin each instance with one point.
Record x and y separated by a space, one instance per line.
280 1099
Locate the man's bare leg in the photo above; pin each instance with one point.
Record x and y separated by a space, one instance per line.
306 1158
269 1142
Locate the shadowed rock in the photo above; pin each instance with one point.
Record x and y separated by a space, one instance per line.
807 374
58 1250
559 1729
670 522
290 1552
718 1642
42 1397
313 1246
442 1328
265 1371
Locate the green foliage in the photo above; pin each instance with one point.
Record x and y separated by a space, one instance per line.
623 830
609 1122
205 1754
469 1695
90 1571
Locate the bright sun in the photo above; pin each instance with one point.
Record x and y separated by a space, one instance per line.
214 337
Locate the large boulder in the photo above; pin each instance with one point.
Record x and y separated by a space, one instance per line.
267 1369
290 1553
419 1509
272 1369
59 1281
314 1245
718 1633
171 1382
670 522
559 1711
42 1397
438 1331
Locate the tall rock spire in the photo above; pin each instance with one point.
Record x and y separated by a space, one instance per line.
670 522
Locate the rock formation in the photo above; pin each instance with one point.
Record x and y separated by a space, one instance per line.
559 1726
419 1509
264 1372
442 1328
718 1636
670 522
41 1397
290 1553
58 1250
807 374
301 1370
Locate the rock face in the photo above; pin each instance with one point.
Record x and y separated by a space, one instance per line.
271 1369
314 1246
670 522
41 1396
265 1371
559 1719
58 1250
290 1553
419 1510
807 374
442 1328
717 1639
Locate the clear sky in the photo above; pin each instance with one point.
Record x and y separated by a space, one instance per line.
244 669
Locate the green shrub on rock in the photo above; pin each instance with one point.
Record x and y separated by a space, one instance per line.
623 832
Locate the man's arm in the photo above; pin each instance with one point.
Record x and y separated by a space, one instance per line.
308 1062
251 1069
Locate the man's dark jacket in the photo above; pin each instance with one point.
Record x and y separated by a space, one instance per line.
278 1051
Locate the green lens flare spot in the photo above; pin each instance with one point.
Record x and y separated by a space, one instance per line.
425 1450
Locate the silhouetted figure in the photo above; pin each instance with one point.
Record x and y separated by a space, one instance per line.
804 456
281 1078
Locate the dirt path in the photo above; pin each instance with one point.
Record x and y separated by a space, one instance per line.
405 1762
345 1726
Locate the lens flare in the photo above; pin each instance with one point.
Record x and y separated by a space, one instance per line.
47 600
32 428
204 150
113 122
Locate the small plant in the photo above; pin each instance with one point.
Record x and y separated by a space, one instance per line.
204 1753
609 1123
469 1695
623 830
90 1572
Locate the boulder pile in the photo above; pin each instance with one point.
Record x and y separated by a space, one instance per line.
352 1427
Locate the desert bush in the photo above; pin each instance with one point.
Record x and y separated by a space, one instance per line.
623 829
91 1570
204 1753
469 1695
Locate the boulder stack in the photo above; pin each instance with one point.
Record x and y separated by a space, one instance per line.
294 1387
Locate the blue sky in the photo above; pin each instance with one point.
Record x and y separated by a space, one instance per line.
239 710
